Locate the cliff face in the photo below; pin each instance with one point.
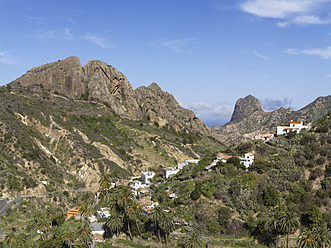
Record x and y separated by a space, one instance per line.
245 107
249 119
99 81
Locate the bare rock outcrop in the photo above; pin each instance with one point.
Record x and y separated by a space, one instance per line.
102 82
245 107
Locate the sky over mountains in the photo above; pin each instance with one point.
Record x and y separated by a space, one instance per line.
207 53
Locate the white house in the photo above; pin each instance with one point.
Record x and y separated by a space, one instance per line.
136 185
97 232
103 213
247 160
295 126
170 171
146 176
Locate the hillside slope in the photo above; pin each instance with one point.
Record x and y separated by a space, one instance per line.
67 126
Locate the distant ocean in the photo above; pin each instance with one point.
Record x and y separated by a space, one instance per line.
212 121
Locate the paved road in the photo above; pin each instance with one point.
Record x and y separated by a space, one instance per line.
10 205
4 207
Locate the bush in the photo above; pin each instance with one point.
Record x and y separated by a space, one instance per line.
234 160
316 173
320 161
270 196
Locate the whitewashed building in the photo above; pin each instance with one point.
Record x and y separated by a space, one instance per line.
295 126
247 160
146 176
170 171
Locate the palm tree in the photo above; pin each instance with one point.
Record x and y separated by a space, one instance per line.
84 233
115 222
11 239
274 223
167 225
116 176
42 223
307 239
194 241
135 213
68 237
86 210
157 215
52 213
323 236
124 198
288 223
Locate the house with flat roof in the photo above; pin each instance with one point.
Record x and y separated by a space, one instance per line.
295 126
146 176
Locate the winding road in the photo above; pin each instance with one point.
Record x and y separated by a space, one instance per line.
18 200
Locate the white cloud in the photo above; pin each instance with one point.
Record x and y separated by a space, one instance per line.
177 45
289 11
269 104
309 19
260 55
205 109
7 59
321 52
54 34
98 40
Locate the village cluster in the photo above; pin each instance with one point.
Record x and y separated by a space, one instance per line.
140 185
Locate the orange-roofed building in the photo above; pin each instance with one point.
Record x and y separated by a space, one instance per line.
73 212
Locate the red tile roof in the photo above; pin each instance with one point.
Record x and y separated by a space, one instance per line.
298 122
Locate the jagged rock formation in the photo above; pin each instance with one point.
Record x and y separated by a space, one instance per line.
258 121
245 107
67 125
99 81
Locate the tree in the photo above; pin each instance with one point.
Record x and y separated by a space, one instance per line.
274 222
234 160
314 217
86 210
157 215
135 213
167 225
42 222
84 233
195 195
288 223
214 226
11 239
194 241
124 198
115 222
68 237
323 236
270 196
307 239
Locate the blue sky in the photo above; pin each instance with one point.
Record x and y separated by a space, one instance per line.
207 53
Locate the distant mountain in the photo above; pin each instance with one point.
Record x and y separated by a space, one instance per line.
65 125
245 107
249 119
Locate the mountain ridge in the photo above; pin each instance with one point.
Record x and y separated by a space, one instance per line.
98 81
259 121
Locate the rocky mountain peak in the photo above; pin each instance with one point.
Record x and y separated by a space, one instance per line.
100 81
245 107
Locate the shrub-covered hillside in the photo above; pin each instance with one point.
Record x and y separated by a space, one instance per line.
289 181
45 136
